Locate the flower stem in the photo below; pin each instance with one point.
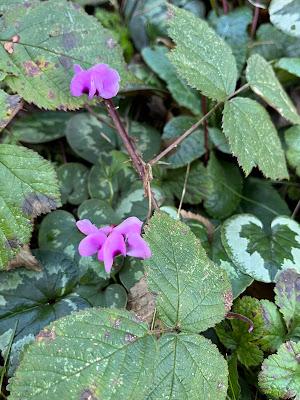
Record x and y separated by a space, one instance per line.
254 22
225 6
141 167
205 126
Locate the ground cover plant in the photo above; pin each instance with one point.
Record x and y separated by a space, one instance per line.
149 199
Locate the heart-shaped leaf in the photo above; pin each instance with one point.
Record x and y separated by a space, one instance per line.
73 183
262 252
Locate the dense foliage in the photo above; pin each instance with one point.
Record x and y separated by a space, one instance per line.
210 99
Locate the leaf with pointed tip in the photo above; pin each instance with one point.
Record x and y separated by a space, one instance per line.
253 138
280 373
259 251
190 289
265 84
109 349
189 367
40 65
201 57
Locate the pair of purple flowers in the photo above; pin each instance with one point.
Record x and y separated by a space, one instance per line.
109 241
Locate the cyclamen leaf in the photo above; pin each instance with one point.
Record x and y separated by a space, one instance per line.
280 373
201 57
190 367
41 64
253 138
111 350
285 15
264 83
261 252
73 183
34 299
288 300
9 106
191 291
292 65
28 188
158 61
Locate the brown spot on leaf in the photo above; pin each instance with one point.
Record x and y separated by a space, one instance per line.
9 47
129 338
117 323
15 39
46 335
69 40
13 243
35 204
65 62
31 69
51 95
111 43
87 394
228 300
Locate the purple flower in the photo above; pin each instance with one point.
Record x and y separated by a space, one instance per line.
100 80
111 241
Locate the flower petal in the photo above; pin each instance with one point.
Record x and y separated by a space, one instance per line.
91 244
113 246
80 83
85 226
129 225
137 247
106 229
77 68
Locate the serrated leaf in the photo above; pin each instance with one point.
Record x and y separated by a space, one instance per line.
274 329
156 58
232 27
189 367
40 126
285 15
190 289
239 281
28 188
111 351
73 183
201 57
280 374
292 65
253 138
190 149
261 199
262 252
292 140
272 43
9 106
40 66
264 83
34 299
222 188
89 138
194 193
287 298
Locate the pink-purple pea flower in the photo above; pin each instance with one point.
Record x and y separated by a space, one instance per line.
99 80
111 241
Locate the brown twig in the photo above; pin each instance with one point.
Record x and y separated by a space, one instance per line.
143 169
205 127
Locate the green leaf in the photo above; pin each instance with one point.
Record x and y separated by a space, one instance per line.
9 106
222 188
253 138
189 367
219 140
285 15
147 139
89 138
201 57
287 298
40 66
40 126
234 388
232 27
194 192
261 199
110 350
262 252
99 212
73 183
292 140
190 289
131 272
264 83
190 149
239 281
292 65
34 299
274 329
156 58
235 334
112 296
272 43
28 188
280 374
